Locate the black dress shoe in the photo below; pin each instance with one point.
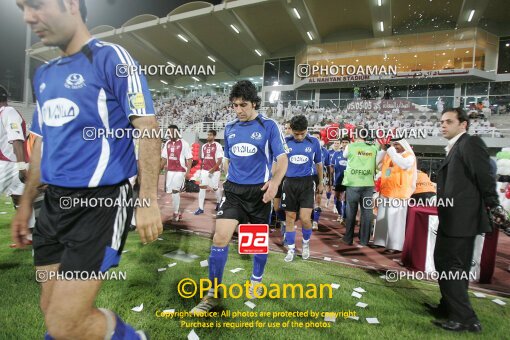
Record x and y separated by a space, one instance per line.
457 326
436 311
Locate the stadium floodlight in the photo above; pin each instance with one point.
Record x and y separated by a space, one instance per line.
471 15
211 58
258 53
235 29
164 82
182 37
195 78
381 26
296 13
379 3
310 36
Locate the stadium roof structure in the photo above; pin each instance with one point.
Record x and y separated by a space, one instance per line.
236 36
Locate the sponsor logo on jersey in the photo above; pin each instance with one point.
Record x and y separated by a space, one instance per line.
298 159
343 162
59 111
244 149
308 149
14 126
256 136
42 87
74 81
136 101
232 136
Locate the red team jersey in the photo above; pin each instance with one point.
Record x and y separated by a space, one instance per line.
176 154
211 153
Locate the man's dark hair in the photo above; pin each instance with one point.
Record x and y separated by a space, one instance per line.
83 9
346 138
245 90
299 123
173 126
213 132
461 114
3 95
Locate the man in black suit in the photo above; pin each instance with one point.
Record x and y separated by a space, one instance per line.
465 176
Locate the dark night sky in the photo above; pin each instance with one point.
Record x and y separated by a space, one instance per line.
101 12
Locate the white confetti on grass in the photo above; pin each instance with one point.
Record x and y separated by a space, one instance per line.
357 295
372 320
359 290
204 263
250 304
137 309
361 304
499 302
170 265
193 336
335 285
479 295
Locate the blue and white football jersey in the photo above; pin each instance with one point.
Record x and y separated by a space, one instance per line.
303 156
250 148
76 96
339 163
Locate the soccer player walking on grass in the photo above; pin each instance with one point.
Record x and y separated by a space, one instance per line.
77 94
299 185
252 141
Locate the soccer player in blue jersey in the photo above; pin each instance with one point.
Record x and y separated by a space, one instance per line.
299 185
338 165
251 143
77 95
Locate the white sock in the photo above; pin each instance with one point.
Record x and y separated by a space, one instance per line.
201 198
217 192
110 322
306 241
176 201
291 247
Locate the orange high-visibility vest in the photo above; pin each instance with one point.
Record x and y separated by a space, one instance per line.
396 182
424 184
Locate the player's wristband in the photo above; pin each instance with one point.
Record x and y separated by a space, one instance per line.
21 165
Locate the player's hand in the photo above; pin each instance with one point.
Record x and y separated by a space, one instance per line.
22 175
270 191
320 189
19 226
148 222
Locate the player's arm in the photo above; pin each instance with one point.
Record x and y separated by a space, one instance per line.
12 122
19 225
133 95
319 166
219 156
148 218
164 159
280 149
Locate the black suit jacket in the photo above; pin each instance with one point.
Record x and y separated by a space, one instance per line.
465 176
